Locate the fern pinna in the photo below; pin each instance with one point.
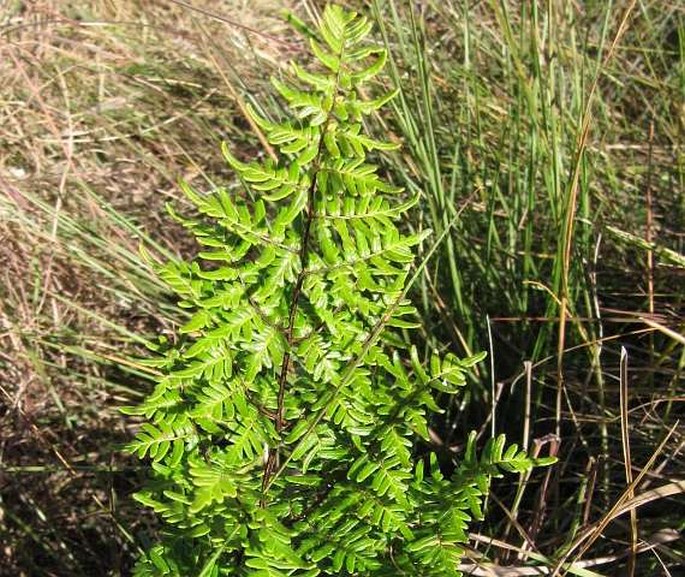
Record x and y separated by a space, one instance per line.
283 427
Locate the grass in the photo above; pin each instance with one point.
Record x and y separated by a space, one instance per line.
548 136
103 107
519 127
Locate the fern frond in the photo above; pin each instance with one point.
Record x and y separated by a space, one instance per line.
283 432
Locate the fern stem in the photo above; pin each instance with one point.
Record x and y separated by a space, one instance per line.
273 458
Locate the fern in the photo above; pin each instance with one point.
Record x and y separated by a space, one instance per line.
283 430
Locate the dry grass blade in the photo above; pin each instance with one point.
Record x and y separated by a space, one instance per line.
670 333
623 505
478 568
625 441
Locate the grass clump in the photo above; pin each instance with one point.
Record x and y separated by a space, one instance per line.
526 136
102 107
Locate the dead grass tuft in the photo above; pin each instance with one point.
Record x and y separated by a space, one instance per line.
103 106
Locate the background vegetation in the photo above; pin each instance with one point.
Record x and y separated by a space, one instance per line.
548 139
